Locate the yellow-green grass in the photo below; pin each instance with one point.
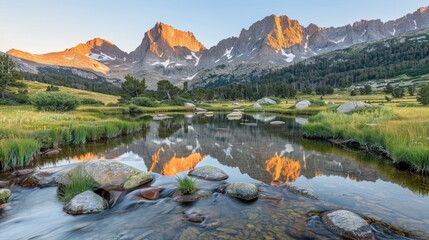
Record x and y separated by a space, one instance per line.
35 87
402 132
24 131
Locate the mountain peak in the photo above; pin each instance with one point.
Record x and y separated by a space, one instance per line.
164 33
422 9
284 33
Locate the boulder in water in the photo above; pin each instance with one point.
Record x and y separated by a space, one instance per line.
39 179
277 123
107 174
244 191
161 117
208 173
4 195
266 101
86 202
352 105
348 224
303 104
137 180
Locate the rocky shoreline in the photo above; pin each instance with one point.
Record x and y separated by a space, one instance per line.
115 180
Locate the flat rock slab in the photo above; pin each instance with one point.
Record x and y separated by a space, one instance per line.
277 123
86 202
244 191
209 173
22 172
108 174
348 224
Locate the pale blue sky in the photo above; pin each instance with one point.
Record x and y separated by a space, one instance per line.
40 26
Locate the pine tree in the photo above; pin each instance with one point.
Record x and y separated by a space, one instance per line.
423 95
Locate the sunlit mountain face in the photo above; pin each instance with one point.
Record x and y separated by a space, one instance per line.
177 55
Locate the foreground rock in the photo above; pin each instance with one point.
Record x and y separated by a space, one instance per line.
303 104
150 193
189 198
266 101
348 224
352 105
107 174
86 202
4 195
244 191
209 173
4 184
22 172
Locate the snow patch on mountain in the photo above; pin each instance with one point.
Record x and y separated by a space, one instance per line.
100 57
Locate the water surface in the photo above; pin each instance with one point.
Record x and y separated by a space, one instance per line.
267 154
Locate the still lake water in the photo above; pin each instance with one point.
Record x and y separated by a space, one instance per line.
268 154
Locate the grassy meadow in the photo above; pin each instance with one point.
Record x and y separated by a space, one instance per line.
24 131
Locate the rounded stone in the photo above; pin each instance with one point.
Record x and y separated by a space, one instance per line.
4 195
303 104
86 202
107 174
352 105
39 179
209 173
244 191
348 224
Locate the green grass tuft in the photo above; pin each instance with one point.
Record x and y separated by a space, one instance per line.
79 183
186 185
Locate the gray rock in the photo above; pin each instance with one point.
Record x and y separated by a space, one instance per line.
351 105
256 105
209 114
86 202
190 105
303 104
348 224
266 101
107 174
244 191
277 123
4 195
234 116
208 173
301 121
39 179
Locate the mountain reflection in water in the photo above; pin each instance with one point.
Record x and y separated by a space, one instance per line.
264 153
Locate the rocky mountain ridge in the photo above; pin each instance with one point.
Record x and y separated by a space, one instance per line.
168 53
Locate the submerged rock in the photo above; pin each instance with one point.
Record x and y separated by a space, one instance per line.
244 191
4 195
234 116
209 114
266 101
107 174
190 233
348 224
303 104
150 193
209 173
86 202
352 105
